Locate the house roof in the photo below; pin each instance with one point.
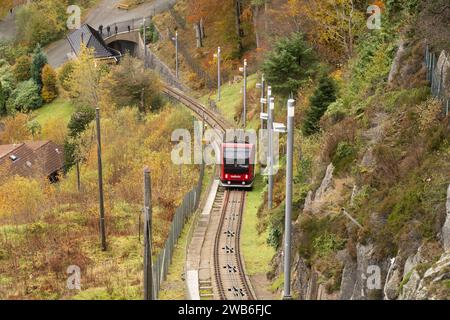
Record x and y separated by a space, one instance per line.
29 159
92 39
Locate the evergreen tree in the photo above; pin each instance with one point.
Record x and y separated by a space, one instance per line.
39 60
80 120
323 96
289 64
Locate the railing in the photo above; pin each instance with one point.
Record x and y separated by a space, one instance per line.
123 26
183 213
193 65
435 74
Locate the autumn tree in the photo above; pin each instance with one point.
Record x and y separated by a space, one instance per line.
49 89
331 25
39 60
130 84
64 73
15 129
84 80
41 21
22 68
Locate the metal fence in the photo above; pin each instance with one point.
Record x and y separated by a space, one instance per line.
179 20
436 67
190 204
193 65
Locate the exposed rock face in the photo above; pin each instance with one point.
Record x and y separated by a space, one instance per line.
443 65
395 68
326 183
308 202
348 278
446 227
393 279
430 285
410 287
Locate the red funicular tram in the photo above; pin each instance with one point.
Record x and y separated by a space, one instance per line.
238 165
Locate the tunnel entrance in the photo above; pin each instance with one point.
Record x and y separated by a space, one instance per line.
124 46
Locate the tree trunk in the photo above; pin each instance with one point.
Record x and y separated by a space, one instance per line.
202 29
266 22
255 25
239 32
198 35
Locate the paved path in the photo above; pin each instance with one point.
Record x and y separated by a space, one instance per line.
8 28
105 13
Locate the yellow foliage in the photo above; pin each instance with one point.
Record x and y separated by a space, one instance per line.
15 129
20 198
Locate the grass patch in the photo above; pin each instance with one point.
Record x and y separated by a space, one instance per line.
174 288
257 253
277 284
231 97
59 109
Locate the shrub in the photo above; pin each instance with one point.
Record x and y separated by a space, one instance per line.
324 95
25 97
289 64
276 226
345 153
22 69
326 243
49 89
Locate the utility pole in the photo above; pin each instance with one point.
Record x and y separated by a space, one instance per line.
244 70
78 176
176 52
217 55
100 181
288 213
271 107
145 42
262 87
148 274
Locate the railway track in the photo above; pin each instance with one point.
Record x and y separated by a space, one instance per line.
228 278
230 282
212 119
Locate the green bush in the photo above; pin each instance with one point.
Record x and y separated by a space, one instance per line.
289 65
320 236
275 227
344 155
323 96
25 97
327 243
22 68
151 34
